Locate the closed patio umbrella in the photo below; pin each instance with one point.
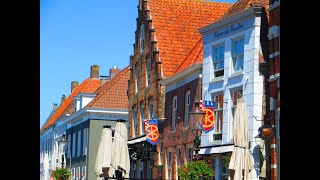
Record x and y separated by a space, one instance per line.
121 160
104 154
241 158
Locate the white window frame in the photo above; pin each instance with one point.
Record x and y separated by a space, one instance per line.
189 149
236 57
69 146
233 109
218 124
78 173
137 78
142 118
85 141
83 172
169 163
73 172
174 113
73 145
220 60
179 156
142 38
187 108
79 144
148 69
135 121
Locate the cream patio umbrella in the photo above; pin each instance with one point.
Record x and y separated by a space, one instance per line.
121 160
241 158
104 154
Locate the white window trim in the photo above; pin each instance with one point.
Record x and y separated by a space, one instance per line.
79 143
234 71
142 107
174 113
137 78
85 141
220 60
215 132
73 145
187 108
231 118
142 48
135 121
169 164
148 69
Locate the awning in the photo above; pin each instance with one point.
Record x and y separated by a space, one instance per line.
137 140
216 149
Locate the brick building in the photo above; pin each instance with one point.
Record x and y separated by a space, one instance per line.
182 89
274 84
166 34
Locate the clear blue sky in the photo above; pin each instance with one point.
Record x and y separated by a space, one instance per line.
76 34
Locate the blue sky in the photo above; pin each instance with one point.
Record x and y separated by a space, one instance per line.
76 34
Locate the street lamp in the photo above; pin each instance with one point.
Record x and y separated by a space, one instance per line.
197 118
62 147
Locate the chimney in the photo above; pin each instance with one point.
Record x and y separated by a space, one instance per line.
104 79
63 98
114 71
74 84
94 71
55 106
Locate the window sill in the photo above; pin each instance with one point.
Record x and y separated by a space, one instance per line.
236 73
220 78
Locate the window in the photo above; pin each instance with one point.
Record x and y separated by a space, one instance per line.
79 144
73 172
85 141
83 172
150 108
225 165
142 117
148 66
137 78
218 61
169 164
235 95
69 146
217 133
179 162
142 38
135 122
186 109
237 54
189 152
174 112
74 145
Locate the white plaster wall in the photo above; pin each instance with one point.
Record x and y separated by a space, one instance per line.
251 82
85 101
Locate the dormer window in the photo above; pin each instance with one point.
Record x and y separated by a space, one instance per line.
82 99
142 38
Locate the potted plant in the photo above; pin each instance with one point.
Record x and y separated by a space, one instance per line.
61 174
198 169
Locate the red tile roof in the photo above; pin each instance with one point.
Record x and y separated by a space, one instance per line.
113 93
242 5
195 57
87 86
176 24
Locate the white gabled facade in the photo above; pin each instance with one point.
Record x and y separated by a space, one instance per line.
234 38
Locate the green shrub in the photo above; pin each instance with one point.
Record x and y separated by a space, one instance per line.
61 173
195 170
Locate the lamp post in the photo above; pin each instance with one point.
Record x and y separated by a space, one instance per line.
62 147
197 118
